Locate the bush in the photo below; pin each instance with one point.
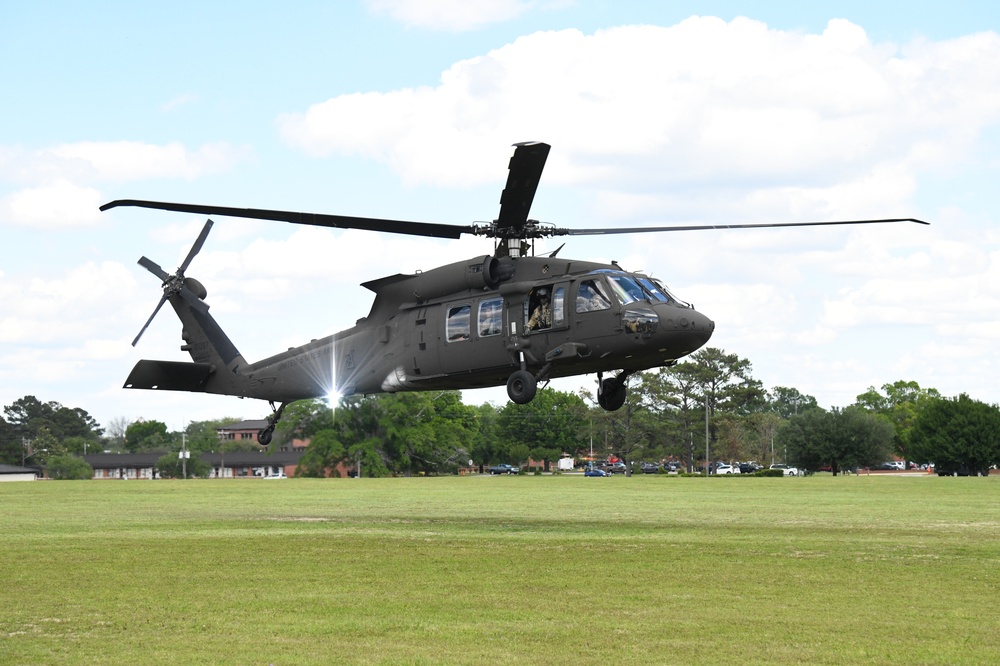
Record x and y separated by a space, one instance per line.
170 467
68 468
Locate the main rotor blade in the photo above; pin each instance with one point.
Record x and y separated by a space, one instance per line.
150 320
703 227
315 219
196 248
522 181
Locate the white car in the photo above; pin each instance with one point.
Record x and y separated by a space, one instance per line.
788 470
726 468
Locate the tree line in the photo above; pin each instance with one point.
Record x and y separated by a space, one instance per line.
668 414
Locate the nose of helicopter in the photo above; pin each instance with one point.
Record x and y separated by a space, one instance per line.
687 327
701 327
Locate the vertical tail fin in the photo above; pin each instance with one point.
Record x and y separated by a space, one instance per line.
216 360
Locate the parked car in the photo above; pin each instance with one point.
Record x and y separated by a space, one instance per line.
726 468
594 471
504 469
650 468
786 469
749 467
615 468
961 470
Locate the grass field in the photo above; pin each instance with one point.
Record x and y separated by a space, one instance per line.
502 570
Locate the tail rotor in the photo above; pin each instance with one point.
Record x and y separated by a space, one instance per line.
177 284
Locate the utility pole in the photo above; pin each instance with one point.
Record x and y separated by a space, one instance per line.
184 455
707 463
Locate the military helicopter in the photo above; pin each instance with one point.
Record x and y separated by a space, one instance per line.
510 317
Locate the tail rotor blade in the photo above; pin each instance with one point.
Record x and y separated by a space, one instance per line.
196 248
153 268
150 320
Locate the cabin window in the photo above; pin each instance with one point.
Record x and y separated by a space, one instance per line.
591 297
558 306
490 317
458 326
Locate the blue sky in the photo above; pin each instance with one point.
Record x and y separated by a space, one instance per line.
388 108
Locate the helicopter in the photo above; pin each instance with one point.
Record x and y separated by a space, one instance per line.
509 317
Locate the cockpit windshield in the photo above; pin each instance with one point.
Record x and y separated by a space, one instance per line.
660 291
626 289
631 288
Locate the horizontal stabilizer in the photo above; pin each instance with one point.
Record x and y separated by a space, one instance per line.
169 376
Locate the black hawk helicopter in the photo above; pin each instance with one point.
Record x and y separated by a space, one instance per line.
510 317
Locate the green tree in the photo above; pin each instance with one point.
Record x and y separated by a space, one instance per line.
486 447
761 429
146 436
68 467
45 446
203 436
324 453
329 430
23 411
900 403
956 433
676 397
549 425
81 445
424 432
170 466
838 439
405 433
786 402
632 433
712 379
28 414
11 446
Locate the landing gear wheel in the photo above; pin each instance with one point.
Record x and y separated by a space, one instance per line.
264 436
611 394
521 387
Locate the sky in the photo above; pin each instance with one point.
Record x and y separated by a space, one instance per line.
658 113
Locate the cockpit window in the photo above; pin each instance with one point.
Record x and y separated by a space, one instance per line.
658 293
670 296
626 289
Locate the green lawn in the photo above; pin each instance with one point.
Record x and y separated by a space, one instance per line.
502 570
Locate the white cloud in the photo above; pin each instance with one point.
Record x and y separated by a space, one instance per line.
56 190
60 205
122 161
79 305
450 15
116 161
179 101
783 122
